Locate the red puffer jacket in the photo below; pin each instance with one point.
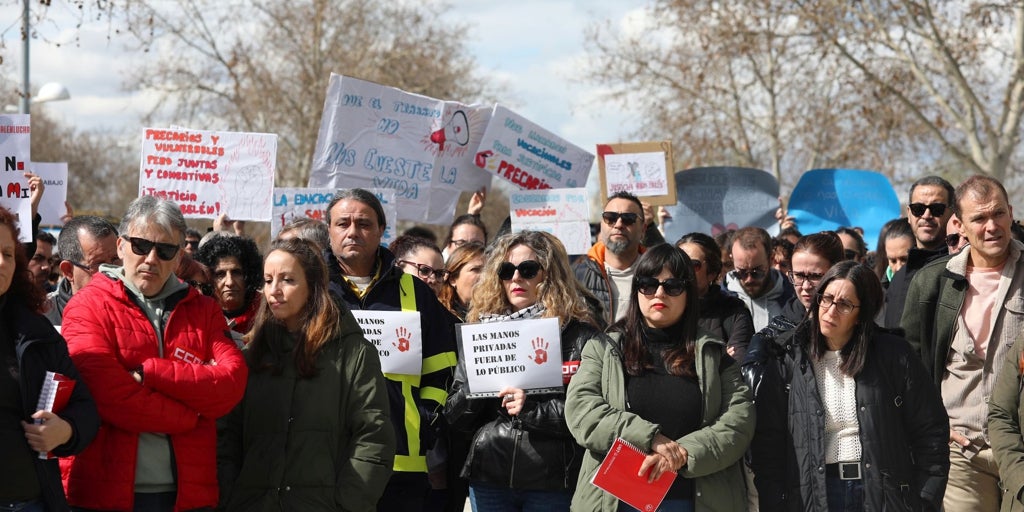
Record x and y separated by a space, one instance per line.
200 378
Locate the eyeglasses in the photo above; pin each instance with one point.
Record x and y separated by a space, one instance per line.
842 307
628 218
88 269
673 287
743 273
528 269
194 244
799 278
425 271
952 239
696 264
850 254
142 247
918 209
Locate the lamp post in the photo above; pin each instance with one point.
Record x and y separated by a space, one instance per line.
51 91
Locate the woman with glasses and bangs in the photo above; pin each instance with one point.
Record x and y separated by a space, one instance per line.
522 456
860 427
421 258
669 389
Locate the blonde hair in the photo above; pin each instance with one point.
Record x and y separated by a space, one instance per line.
560 293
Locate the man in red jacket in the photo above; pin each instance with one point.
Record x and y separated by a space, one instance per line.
162 367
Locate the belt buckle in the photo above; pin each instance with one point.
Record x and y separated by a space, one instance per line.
849 470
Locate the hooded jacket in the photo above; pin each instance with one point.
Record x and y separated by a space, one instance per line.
57 300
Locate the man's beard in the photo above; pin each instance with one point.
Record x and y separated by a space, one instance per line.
617 247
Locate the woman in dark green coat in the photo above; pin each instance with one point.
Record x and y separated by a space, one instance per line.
312 433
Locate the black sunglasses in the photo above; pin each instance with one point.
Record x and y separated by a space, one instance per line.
527 270
194 244
918 209
649 286
952 239
425 271
142 247
743 273
628 218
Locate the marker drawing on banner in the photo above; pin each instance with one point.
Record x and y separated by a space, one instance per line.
53 205
644 169
209 173
296 203
379 137
525 354
530 157
562 212
826 199
715 199
397 337
15 144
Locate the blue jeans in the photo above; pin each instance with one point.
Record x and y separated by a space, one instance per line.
666 506
22 506
487 498
844 495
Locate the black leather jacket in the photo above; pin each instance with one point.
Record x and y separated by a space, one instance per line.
531 451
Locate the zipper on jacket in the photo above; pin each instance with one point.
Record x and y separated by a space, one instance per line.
516 423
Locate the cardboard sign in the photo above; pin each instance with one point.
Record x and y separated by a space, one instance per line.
53 207
715 199
294 203
377 137
208 173
561 212
398 339
644 169
15 144
826 199
525 354
530 157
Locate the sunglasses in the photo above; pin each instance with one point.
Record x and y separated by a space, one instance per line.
755 273
628 219
527 270
649 286
425 271
918 209
142 247
952 239
194 244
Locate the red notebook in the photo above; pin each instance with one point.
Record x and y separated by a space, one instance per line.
54 397
618 477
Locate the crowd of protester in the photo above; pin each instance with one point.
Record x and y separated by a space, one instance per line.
800 372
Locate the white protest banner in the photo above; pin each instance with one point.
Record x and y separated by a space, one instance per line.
644 169
52 206
208 173
292 203
397 336
525 354
529 156
374 136
15 143
562 212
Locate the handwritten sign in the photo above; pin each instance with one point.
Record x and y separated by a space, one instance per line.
526 354
373 136
826 199
295 203
562 212
530 157
208 173
396 334
644 169
715 199
15 144
52 206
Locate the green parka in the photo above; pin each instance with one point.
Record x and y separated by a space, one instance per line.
595 410
310 444
1004 429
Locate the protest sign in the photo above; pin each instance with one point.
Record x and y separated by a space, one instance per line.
53 207
715 199
15 143
644 169
295 203
520 151
525 354
563 212
209 173
826 199
374 136
397 337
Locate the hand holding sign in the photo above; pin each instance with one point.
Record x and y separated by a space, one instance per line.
541 351
513 399
402 344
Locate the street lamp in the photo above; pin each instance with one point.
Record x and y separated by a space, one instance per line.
51 91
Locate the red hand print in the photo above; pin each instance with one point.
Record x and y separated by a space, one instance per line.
403 339
541 350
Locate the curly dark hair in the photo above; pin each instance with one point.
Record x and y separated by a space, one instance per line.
23 288
240 247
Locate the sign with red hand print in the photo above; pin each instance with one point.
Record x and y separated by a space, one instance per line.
525 354
396 335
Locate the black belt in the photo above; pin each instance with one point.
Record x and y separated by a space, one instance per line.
843 470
